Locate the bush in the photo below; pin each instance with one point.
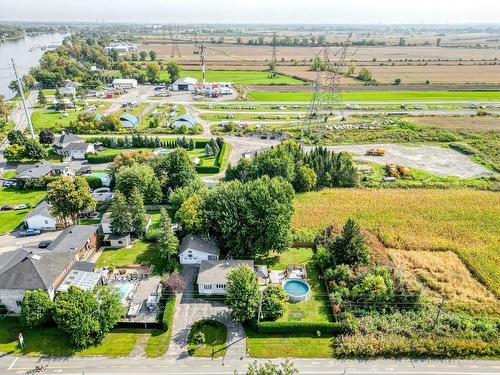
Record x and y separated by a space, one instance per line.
95 158
223 156
299 327
168 313
94 182
207 169
36 308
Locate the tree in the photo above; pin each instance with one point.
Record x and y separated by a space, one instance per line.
152 55
350 248
33 150
351 69
174 170
242 293
173 70
86 317
137 212
169 243
126 69
110 123
174 283
189 215
153 72
143 54
46 137
121 221
305 179
397 81
4 110
14 152
270 368
36 308
365 75
250 219
42 99
208 150
274 299
69 197
140 176
181 194
16 137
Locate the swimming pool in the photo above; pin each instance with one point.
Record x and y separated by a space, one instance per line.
124 289
297 289
103 176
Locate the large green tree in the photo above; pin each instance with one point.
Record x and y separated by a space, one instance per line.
350 247
174 71
153 72
250 219
137 212
242 293
274 299
69 197
190 215
181 194
121 222
168 241
36 308
140 176
174 170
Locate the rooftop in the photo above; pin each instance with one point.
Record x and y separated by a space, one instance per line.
215 271
192 241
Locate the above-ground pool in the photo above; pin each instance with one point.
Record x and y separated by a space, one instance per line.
297 289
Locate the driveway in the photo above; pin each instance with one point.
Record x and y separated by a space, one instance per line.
189 310
11 241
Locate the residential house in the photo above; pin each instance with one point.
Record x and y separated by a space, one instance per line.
212 276
41 218
184 84
69 88
33 268
77 151
184 120
42 169
194 250
128 121
64 140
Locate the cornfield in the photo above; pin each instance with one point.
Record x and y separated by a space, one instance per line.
466 222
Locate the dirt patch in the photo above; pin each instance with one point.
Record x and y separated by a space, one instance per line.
486 123
443 273
433 159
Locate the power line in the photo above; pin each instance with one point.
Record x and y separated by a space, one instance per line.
21 92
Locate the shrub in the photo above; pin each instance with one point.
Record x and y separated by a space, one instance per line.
299 327
36 308
95 158
274 299
168 313
207 169
94 182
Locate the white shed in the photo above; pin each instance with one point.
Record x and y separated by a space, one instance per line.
124 83
194 250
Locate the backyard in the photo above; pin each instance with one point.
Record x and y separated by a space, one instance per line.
10 220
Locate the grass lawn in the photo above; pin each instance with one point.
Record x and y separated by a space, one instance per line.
299 346
141 252
51 341
158 343
463 221
245 77
398 96
9 174
315 308
215 339
10 220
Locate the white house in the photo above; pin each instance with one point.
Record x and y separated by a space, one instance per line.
77 151
184 84
194 250
212 277
41 218
64 140
124 83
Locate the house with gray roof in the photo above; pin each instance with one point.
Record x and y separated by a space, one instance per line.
194 250
42 169
212 276
77 150
31 268
40 218
64 140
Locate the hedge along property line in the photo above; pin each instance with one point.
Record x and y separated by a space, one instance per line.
299 327
223 156
168 313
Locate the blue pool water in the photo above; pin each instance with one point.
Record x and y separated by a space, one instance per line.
124 289
102 176
296 287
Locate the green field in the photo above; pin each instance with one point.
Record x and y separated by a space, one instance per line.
244 77
10 220
378 96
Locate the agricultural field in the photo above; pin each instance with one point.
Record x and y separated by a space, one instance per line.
476 123
465 222
374 96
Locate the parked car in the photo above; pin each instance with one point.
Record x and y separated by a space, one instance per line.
30 232
10 183
44 244
6 208
21 207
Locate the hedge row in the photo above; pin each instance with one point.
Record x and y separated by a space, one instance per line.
94 158
168 313
223 156
207 169
299 327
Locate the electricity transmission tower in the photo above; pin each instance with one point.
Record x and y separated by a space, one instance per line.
175 41
327 98
21 93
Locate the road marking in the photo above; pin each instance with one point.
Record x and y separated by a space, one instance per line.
13 363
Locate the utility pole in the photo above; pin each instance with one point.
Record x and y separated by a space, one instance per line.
21 92
441 305
260 306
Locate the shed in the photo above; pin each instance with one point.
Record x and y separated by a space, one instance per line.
124 83
117 240
194 250
185 84
128 120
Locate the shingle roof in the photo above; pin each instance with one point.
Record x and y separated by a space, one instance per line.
215 271
77 147
66 139
33 268
33 170
42 209
192 241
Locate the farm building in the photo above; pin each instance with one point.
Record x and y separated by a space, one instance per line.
186 120
184 84
124 83
194 250
128 121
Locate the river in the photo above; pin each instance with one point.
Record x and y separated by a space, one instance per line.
26 53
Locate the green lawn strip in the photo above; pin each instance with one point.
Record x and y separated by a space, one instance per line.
315 308
141 252
378 96
297 345
215 339
248 77
9 174
10 220
51 341
12 196
159 340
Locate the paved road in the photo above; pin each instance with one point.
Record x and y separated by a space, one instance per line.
189 310
195 366
11 241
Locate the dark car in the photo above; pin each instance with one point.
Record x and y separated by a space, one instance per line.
44 244
6 208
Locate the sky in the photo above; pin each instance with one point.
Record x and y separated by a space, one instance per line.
255 11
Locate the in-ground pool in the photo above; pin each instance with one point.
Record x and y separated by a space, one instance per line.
124 289
103 176
297 289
